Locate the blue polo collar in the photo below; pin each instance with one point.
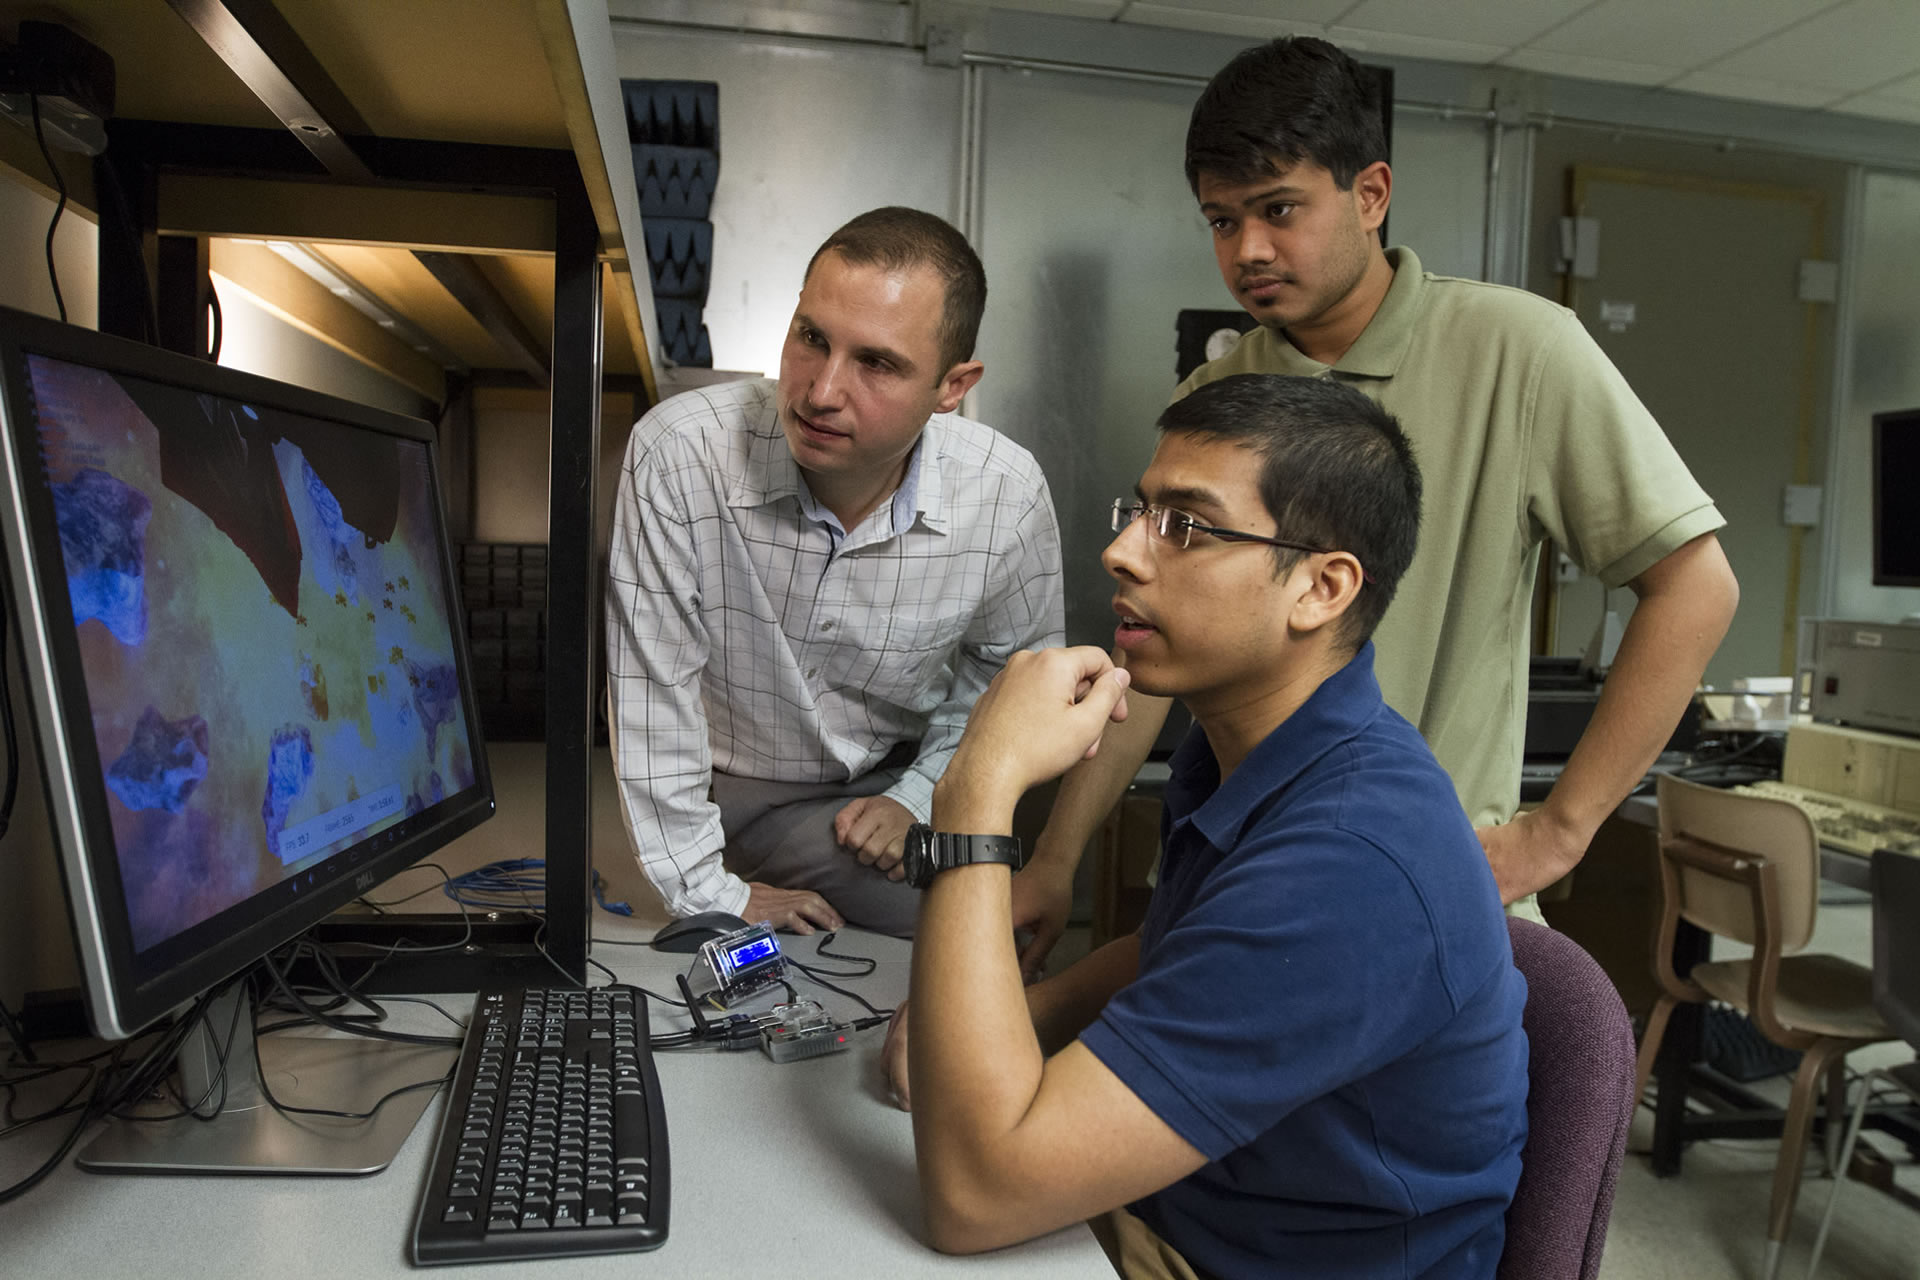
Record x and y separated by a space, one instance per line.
1337 712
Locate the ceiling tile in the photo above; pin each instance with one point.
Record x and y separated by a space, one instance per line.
1505 23
1358 41
1881 106
1292 13
1755 89
1098 9
1855 46
1908 89
1660 33
1254 26
1584 68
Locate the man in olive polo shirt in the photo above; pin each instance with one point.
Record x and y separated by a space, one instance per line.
1524 430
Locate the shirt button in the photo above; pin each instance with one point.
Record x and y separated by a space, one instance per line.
812 672
827 625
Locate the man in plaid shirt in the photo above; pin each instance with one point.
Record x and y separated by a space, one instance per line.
810 583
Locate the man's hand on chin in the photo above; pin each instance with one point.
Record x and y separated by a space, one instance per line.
1042 714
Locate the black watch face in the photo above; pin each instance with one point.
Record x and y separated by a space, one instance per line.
917 857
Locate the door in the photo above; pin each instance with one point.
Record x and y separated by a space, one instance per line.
1697 301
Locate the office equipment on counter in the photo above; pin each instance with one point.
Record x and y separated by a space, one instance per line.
1854 764
1562 693
554 1140
1862 674
235 602
1841 823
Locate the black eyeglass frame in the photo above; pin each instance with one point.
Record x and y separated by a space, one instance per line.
1126 511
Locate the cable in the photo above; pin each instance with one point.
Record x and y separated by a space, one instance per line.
60 184
820 949
219 325
507 883
815 978
288 1109
15 1032
340 1024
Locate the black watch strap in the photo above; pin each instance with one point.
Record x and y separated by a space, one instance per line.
944 850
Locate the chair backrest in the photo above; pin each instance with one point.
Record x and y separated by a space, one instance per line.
1580 1060
1776 830
1895 881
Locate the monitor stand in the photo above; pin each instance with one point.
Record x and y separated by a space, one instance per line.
308 1067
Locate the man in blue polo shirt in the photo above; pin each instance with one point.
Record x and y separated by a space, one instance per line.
1309 1059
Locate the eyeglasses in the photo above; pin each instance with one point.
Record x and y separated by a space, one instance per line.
1176 528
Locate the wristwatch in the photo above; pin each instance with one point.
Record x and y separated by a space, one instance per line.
929 852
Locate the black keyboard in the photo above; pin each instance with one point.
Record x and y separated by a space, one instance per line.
553 1142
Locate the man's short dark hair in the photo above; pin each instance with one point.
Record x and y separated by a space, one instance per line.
1336 472
1274 105
898 239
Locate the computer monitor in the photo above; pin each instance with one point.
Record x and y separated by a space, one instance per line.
1896 506
236 608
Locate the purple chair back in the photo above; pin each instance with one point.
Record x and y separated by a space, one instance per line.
1579 1103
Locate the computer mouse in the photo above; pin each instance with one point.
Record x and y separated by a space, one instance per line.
690 933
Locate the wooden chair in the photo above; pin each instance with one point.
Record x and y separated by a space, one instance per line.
1747 867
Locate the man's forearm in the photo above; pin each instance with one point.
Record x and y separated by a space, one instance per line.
1091 788
1685 605
974 1059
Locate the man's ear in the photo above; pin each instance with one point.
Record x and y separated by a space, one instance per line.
1334 581
1372 193
956 382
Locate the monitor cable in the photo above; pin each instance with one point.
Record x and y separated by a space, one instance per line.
60 185
16 1033
109 1089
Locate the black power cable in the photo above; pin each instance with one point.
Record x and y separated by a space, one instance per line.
60 185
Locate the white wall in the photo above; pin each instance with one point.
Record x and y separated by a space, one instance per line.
809 137
254 341
1882 373
24 215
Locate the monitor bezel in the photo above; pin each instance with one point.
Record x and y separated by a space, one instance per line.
122 994
1882 482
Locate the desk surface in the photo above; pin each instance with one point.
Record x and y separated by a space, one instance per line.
826 1160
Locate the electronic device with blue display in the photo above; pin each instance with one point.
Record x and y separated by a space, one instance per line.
737 966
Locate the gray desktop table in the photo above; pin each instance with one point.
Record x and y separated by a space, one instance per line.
803 1169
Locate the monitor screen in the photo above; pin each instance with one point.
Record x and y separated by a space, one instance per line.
1896 513
236 605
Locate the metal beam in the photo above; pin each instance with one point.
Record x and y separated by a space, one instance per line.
461 276
268 55
128 247
267 209
579 39
572 588
184 297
